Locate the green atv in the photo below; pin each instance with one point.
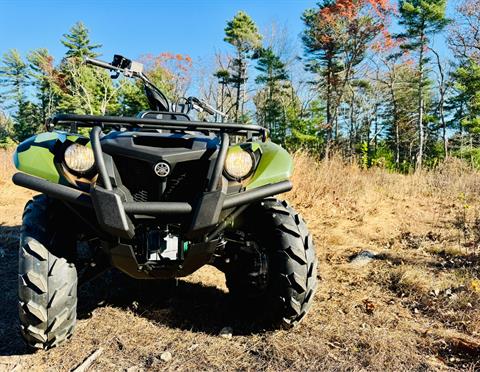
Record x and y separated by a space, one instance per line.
157 196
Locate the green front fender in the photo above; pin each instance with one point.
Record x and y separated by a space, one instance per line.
275 165
37 154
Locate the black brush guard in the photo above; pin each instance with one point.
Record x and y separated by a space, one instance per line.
112 212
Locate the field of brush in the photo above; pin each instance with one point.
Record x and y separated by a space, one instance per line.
411 300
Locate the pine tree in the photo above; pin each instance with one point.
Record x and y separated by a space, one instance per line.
13 79
27 121
322 49
336 38
399 112
44 76
84 89
242 33
274 91
421 18
78 42
87 90
6 130
467 98
305 130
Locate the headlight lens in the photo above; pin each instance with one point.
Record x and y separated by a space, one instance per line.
238 164
79 158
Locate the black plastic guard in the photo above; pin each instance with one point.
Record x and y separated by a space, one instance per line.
208 209
110 213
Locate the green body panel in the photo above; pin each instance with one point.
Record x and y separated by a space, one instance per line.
36 154
275 164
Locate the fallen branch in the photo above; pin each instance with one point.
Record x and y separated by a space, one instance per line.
88 362
464 344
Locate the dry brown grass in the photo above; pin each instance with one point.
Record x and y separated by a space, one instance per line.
417 306
6 165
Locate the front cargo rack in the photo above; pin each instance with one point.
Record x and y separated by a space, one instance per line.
149 123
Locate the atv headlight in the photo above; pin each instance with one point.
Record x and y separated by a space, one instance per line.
239 164
79 158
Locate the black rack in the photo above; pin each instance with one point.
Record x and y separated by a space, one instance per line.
145 123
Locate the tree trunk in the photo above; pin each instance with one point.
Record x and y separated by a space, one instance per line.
421 129
375 141
397 145
395 117
352 122
239 85
442 92
444 127
329 109
222 100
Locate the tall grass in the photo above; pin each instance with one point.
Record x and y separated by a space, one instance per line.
340 183
336 182
6 165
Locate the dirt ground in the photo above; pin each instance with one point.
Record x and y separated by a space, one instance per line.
412 302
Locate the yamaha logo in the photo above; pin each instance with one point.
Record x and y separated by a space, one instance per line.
162 169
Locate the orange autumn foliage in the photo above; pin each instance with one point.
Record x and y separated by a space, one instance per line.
350 10
168 61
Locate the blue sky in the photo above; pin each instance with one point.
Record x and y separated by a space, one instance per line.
137 27
134 27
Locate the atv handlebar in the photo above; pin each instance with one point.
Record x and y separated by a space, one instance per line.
129 69
102 64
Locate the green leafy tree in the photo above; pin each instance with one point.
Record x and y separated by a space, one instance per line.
305 129
84 89
132 98
171 73
87 90
421 19
242 33
6 130
78 43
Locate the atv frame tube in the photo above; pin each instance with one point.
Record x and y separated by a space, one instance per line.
54 190
222 155
98 155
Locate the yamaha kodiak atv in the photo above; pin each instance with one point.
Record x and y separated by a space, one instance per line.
157 196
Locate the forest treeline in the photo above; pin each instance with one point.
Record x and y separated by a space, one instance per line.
395 86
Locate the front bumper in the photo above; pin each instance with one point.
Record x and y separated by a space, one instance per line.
114 213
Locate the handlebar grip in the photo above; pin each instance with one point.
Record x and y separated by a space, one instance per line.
97 62
205 106
208 109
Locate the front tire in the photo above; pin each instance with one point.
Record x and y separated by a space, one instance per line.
276 266
47 283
